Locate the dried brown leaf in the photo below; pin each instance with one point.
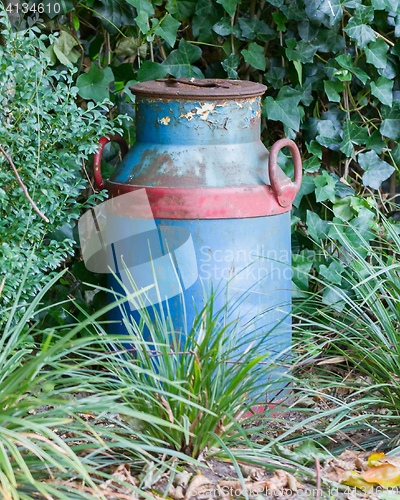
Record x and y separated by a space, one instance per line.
195 484
256 473
176 493
182 478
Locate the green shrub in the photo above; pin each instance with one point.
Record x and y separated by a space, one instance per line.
64 428
48 137
348 331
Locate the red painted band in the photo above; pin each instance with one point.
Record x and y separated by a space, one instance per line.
205 203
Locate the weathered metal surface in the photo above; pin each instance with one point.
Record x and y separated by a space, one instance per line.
203 159
199 157
185 88
246 262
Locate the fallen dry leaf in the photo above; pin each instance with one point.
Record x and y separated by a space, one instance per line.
236 487
385 475
352 478
121 473
280 480
219 428
349 460
167 407
176 493
182 478
252 471
195 484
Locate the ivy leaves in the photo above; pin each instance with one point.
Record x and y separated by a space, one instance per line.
284 108
390 126
376 53
358 26
255 56
94 84
382 89
376 170
180 61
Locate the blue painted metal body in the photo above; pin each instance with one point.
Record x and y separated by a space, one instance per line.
205 171
247 261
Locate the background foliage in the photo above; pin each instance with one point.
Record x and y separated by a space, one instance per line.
331 68
49 138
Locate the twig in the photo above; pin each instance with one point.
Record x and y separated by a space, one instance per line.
3 282
384 38
318 473
24 189
87 176
161 48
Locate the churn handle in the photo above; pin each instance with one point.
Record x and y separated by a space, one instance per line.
283 187
97 157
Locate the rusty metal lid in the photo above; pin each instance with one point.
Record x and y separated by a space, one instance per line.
192 88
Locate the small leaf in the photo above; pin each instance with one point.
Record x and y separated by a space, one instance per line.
346 62
375 142
332 90
382 89
126 47
385 475
311 165
317 228
300 51
376 170
229 5
275 76
179 62
151 71
352 478
167 29
324 187
114 14
357 27
284 108
328 134
230 65
390 126
64 49
223 27
332 273
255 56
352 134
252 28
94 84
142 20
280 20
307 187
376 53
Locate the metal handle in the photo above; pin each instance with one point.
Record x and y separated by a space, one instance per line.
284 189
97 157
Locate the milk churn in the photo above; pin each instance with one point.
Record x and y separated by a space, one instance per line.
216 197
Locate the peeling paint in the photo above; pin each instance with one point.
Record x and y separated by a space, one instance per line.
203 111
165 120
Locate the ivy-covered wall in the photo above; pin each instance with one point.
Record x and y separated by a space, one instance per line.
331 67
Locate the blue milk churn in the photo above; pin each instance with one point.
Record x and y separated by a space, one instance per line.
218 196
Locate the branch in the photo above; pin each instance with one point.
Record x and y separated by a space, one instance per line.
24 189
